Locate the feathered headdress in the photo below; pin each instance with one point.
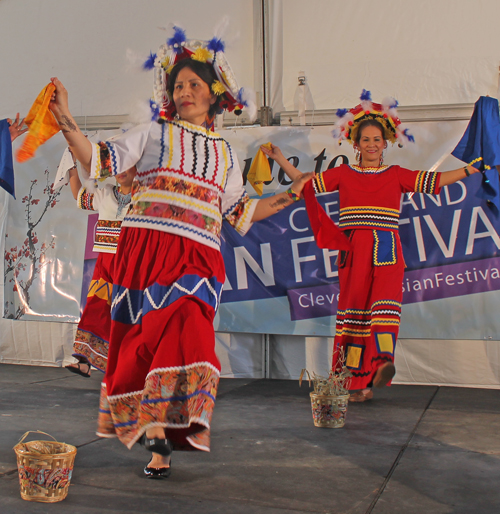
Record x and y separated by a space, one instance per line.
178 48
346 127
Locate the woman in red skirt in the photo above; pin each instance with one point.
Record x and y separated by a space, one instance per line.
162 375
371 270
111 201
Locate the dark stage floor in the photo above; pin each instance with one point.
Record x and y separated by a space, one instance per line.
411 450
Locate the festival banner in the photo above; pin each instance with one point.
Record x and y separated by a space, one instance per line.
280 282
277 280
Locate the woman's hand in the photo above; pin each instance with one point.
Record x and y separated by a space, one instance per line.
16 127
274 153
299 183
80 146
59 102
472 169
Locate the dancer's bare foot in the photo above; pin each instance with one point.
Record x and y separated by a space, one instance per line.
361 396
384 374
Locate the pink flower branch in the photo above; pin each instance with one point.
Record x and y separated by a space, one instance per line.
31 255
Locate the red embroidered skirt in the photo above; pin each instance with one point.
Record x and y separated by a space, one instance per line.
162 367
369 309
92 335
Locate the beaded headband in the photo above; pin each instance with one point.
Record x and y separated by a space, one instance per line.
346 127
178 48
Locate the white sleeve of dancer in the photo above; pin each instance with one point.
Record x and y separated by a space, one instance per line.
119 153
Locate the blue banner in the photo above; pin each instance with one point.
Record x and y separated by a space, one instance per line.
279 281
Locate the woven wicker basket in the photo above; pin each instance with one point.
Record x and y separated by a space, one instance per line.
329 411
44 468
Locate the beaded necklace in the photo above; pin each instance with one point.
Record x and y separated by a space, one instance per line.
369 170
122 199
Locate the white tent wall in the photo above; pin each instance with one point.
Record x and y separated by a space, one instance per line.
418 361
85 43
423 53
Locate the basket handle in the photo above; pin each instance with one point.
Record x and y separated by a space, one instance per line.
302 376
34 432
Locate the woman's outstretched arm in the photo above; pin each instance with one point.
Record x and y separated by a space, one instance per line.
78 143
273 204
450 177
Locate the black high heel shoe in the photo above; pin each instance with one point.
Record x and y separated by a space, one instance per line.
157 445
78 370
157 472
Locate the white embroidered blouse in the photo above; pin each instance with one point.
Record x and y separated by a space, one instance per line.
111 214
187 180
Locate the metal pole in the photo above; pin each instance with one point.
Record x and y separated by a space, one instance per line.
265 114
265 50
267 352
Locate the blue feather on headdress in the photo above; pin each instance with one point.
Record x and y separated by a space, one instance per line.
177 39
149 64
394 105
239 98
366 96
155 110
216 45
341 112
407 134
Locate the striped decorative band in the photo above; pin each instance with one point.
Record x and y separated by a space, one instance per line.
369 217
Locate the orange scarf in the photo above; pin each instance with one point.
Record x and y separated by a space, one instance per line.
41 122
